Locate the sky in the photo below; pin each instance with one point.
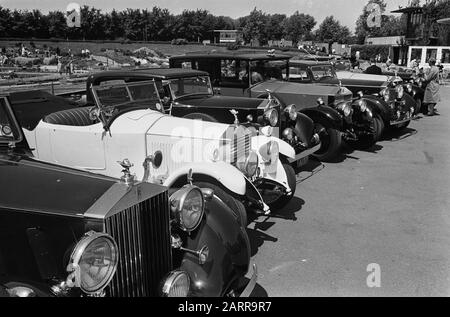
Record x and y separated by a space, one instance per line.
346 11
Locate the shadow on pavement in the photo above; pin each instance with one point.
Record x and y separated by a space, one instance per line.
396 135
260 224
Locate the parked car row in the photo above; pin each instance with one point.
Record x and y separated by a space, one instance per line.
143 186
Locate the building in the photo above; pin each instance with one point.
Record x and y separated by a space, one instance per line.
421 29
397 47
226 36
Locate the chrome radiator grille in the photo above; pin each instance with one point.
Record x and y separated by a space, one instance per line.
237 142
143 237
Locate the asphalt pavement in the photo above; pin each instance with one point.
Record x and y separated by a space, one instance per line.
373 223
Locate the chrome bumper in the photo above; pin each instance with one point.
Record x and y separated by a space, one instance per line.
408 118
251 285
305 153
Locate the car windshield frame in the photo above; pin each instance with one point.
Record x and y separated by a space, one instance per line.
174 86
129 93
12 124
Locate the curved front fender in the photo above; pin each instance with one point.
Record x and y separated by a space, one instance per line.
227 175
325 115
284 148
377 106
229 251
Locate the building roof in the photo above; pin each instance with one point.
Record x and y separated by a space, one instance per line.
444 21
408 10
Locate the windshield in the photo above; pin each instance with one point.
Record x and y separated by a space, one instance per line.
133 94
182 87
9 129
265 70
323 71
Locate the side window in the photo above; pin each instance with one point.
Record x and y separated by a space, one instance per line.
445 58
297 73
229 71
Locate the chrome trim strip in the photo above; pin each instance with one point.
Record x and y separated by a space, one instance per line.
305 153
251 285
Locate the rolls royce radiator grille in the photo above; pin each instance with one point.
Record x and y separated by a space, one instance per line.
239 142
143 237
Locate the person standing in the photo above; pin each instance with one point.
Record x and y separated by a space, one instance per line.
431 96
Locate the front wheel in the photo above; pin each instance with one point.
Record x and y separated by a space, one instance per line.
371 136
331 140
273 195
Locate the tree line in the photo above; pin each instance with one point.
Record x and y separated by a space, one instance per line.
158 24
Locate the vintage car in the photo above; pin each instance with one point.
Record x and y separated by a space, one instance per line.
66 232
127 120
361 121
188 93
229 72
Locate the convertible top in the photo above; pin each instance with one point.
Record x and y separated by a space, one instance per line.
33 105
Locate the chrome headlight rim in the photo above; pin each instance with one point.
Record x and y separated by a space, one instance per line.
177 204
76 270
288 134
291 111
362 104
271 115
345 108
170 282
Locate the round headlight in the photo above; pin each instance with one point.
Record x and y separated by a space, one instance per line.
176 284
271 115
288 134
362 105
93 262
251 164
188 207
399 91
409 87
291 110
345 108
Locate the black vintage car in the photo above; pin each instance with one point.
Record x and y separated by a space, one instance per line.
385 100
65 232
264 75
189 94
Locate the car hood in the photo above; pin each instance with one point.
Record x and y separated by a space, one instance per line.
169 126
42 187
361 78
283 87
222 102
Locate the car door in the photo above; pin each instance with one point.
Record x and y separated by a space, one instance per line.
76 146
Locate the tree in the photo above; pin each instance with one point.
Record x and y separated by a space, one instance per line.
330 31
254 26
275 28
299 26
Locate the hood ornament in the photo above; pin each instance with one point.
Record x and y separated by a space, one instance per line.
235 113
127 178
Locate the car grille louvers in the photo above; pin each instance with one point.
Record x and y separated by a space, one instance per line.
143 237
237 142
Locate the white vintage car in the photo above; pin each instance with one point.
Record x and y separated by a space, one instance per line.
126 121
